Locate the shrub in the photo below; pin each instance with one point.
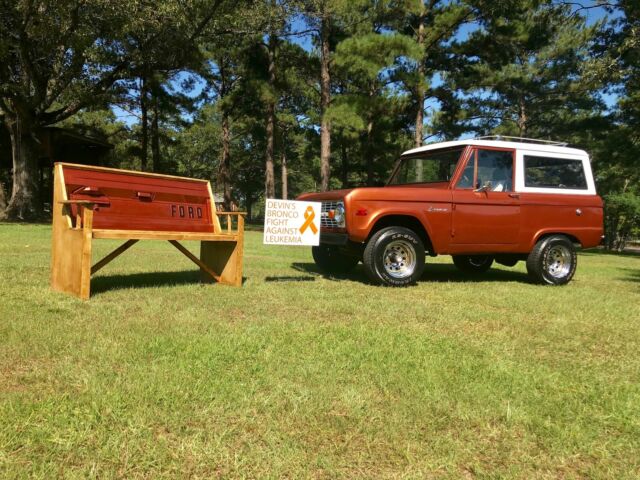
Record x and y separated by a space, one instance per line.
622 219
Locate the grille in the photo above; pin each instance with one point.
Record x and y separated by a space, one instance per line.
325 221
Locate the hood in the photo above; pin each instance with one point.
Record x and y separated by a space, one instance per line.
433 192
330 195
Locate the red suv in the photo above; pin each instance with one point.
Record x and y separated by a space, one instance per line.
481 201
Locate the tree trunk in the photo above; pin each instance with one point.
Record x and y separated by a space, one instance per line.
325 100
285 175
3 199
25 203
155 135
225 163
369 153
522 117
269 180
420 93
420 87
345 165
144 123
249 201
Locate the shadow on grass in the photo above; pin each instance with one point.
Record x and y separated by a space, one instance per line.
432 273
290 278
598 252
633 275
145 280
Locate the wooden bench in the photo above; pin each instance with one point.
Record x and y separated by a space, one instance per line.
93 203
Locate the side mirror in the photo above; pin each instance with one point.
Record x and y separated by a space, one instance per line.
485 188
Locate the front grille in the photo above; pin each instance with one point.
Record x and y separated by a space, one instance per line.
325 221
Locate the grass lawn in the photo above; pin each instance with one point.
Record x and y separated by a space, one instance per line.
298 375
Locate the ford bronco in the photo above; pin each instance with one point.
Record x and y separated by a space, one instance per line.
486 200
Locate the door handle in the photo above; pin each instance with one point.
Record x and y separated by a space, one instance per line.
145 196
514 195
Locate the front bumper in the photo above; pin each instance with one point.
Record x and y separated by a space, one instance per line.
332 238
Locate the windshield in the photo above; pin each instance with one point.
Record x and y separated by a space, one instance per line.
429 167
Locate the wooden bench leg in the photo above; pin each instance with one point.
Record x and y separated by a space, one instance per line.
225 258
71 255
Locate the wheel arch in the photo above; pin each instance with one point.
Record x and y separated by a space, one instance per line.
545 234
407 221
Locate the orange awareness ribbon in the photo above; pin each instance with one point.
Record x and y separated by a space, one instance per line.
309 215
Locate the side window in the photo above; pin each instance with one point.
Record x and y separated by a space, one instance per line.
547 172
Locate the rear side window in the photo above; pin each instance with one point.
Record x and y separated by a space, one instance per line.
548 172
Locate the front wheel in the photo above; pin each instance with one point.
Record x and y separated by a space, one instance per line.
473 263
394 256
331 260
552 261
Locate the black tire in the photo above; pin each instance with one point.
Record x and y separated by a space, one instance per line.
552 261
394 256
331 260
473 263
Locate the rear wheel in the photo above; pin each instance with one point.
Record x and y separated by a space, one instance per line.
331 260
473 263
552 261
394 256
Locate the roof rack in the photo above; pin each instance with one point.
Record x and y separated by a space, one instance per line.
522 139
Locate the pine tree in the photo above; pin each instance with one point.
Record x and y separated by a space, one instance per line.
520 73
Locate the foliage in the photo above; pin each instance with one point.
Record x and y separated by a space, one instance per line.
520 74
622 219
278 97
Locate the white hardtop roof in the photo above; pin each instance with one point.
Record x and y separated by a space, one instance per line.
498 144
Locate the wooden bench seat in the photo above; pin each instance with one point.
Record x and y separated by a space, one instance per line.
102 203
152 235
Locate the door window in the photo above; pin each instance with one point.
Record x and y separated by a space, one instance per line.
493 168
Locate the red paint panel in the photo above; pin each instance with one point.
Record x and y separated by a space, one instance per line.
135 202
577 215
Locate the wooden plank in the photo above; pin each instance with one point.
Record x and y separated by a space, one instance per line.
113 255
67 245
195 260
59 173
214 213
225 257
156 235
85 262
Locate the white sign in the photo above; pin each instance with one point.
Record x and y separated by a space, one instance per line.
290 222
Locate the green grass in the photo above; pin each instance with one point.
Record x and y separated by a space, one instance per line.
298 375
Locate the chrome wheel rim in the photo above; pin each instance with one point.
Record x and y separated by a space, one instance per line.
558 261
399 259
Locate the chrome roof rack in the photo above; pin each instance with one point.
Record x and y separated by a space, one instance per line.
508 138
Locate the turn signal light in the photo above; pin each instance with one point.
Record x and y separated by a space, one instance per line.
361 212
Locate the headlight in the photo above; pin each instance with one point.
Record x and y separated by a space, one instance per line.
338 215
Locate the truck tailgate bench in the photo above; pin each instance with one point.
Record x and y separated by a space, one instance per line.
104 203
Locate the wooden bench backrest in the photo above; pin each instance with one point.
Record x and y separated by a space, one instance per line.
128 200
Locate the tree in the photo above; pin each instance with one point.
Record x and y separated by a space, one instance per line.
325 19
224 70
368 61
520 73
61 56
430 25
